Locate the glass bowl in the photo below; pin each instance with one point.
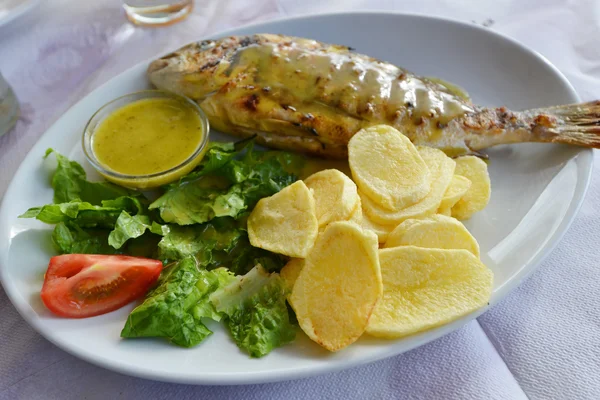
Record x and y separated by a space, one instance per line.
152 180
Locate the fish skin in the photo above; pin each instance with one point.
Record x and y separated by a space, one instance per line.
303 95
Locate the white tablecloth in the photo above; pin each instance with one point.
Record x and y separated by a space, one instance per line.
541 342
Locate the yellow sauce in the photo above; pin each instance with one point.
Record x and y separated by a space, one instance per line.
146 137
346 80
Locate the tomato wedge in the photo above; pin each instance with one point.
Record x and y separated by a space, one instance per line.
85 285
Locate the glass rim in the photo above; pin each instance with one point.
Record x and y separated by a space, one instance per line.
149 93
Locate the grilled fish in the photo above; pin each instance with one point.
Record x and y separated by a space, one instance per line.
303 95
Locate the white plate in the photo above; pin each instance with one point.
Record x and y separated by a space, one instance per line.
11 9
537 189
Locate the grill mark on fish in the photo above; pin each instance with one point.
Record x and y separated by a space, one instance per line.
210 64
251 102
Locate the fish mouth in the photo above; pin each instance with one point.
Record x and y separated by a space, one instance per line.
158 65
169 60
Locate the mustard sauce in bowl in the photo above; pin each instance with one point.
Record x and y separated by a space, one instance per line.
146 139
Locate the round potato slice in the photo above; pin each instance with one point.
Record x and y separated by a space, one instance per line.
335 195
381 230
426 288
436 231
339 285
459 185
360 218
285 223
291 270
442 170
478 195
357 214
387 167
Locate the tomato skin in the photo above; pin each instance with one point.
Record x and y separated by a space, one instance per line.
86 285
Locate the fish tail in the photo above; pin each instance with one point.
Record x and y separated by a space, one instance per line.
574 124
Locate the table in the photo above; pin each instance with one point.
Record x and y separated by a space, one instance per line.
541 342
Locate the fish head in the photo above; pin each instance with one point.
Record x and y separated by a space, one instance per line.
189 70
201 68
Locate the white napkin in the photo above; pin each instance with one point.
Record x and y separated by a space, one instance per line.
541 342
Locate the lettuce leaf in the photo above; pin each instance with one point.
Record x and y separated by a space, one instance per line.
143 246
216 157
71 239
243 257
170 310
84 214
199 241
255 310
70 184
222 242
128 227
209 282
194 203
229 190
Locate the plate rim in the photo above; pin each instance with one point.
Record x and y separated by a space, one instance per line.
584 160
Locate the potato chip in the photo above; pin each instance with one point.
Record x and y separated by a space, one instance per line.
291 270
387 167
459 185
339 285
285 223
357 214
335 195
382 231
478 195
436 231
426 288
442 170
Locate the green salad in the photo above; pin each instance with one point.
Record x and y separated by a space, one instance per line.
197 228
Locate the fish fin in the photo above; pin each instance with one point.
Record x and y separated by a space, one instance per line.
575 124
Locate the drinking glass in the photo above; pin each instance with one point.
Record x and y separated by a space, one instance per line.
157 12
9 107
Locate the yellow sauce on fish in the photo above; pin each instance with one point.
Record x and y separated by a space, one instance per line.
358 85
149 136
